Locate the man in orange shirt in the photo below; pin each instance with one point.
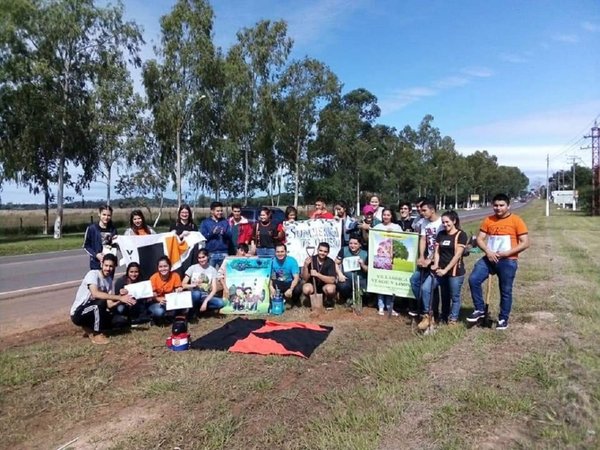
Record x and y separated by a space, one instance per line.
507 236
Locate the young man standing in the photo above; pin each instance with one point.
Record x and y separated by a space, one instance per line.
420 281
321 269
320 211
285 274
404 220
241 229
507 236
95 299
98 238
217 232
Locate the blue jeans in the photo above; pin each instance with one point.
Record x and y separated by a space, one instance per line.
198 297
215 259
450 287
265 252
157 310
386 301
345 288
506 269
421 283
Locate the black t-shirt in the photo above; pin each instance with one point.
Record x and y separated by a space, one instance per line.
406 225
180 228
447 245
327 269
265 235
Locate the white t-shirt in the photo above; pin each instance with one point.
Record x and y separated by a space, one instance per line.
84 294
430 230
390 227
203 276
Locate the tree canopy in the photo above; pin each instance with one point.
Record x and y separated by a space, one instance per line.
232 122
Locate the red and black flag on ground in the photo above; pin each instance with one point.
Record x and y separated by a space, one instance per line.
264 337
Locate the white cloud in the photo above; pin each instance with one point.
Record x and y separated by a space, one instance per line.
566 38
403 97
478 72
563 127
591 27
451 81
315 19
400 98
513 58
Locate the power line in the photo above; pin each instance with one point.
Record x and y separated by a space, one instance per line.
576 140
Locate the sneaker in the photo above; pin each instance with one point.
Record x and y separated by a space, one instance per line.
99 338
412 313
381 312
477 314
424 323
502 324
452 323
394 313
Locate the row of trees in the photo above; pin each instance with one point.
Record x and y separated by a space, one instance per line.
232 122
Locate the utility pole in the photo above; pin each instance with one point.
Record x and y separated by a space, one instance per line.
595 136
547 185
574 185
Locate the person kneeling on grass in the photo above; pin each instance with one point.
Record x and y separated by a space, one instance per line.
95 303
201 279
285 275
320 270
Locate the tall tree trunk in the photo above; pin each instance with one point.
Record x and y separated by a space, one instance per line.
178 170
108 180
60 195
246 173
46 208
297 173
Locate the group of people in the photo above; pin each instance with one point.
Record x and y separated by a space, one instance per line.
502 236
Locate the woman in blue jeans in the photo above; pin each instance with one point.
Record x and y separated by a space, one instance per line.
448 268
201 279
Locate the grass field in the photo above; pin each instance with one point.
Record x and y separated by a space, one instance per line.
373 384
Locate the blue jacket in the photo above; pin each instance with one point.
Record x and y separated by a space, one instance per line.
93 242
217 234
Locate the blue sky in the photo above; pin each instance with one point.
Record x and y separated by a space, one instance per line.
520 79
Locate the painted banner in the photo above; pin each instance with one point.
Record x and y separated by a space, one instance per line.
246 285
307 234
146 250
392 261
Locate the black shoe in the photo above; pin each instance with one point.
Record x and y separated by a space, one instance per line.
476 315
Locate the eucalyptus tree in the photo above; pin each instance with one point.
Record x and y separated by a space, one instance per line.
51 52
304 86
117 109
483 167
175 82
148 172
264 50
342 149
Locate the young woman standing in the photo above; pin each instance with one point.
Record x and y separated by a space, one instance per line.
138 225
265 234
386 301
448 266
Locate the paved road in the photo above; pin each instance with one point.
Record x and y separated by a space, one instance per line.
44 269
